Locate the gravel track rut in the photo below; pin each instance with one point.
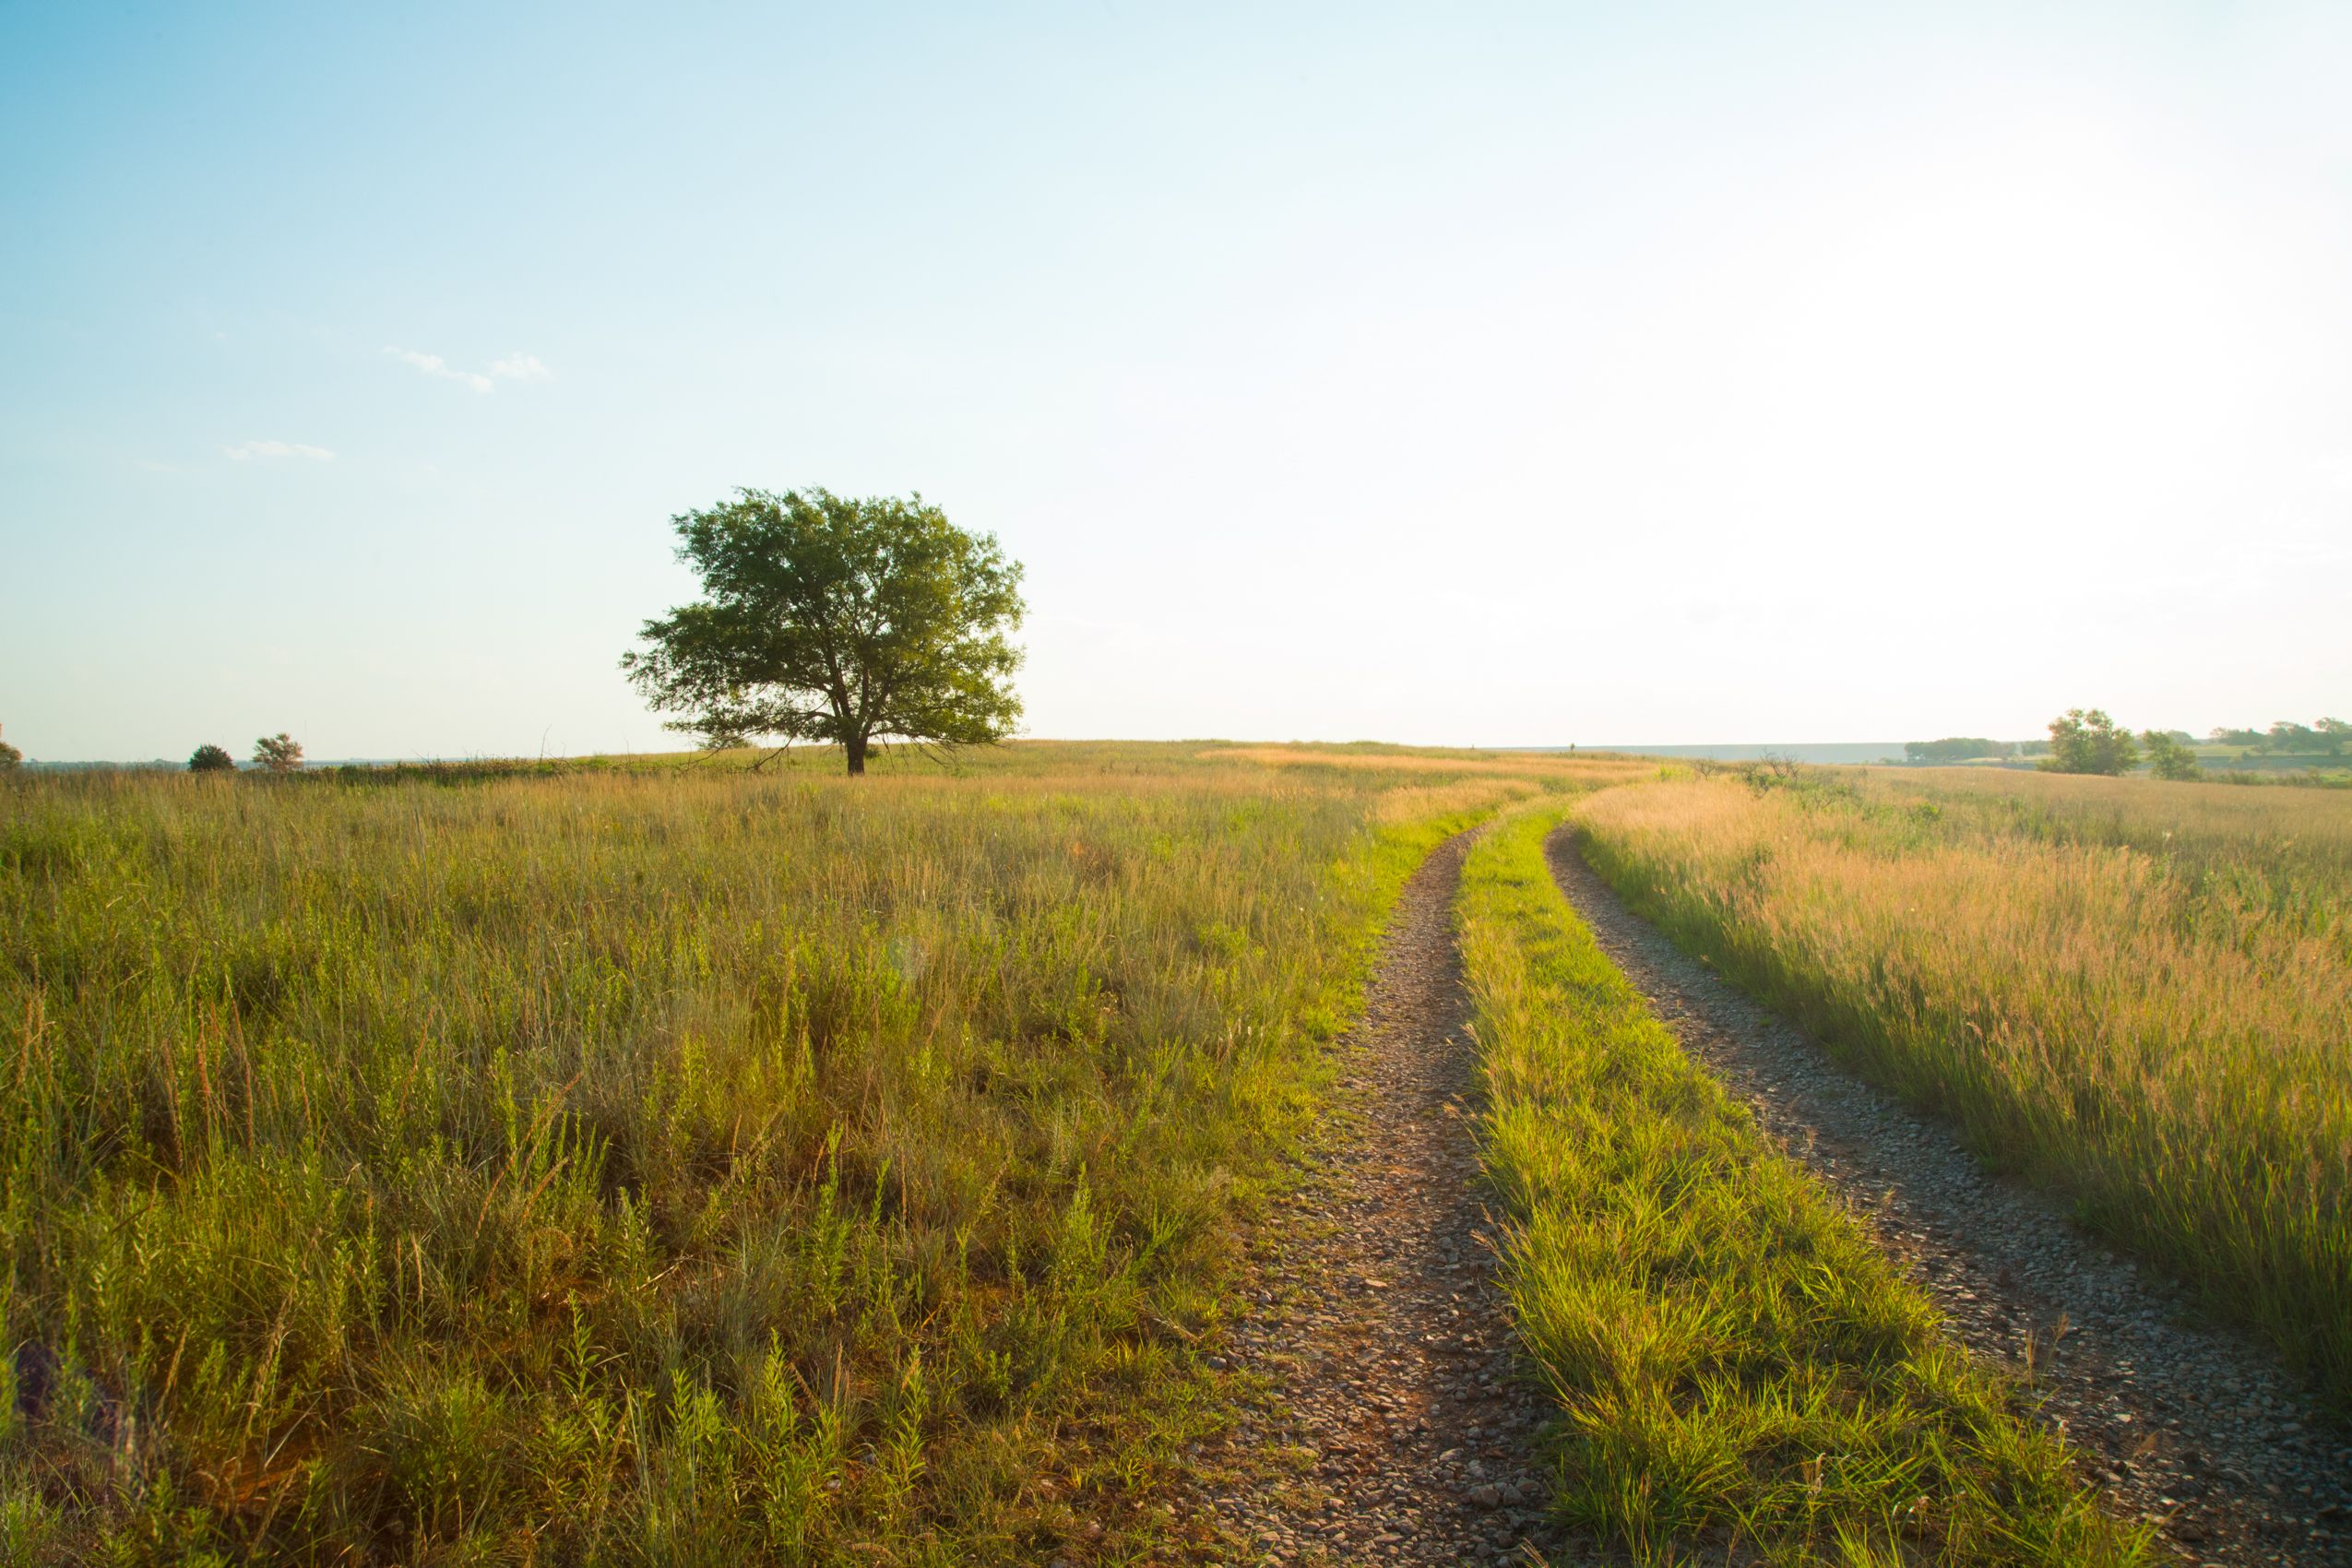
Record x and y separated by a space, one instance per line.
2195 1430
1394 1425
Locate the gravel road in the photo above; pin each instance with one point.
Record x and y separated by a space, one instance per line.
2194 1430
1395 1427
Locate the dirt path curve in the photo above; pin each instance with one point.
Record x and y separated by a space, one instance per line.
2193 1430
1393 1427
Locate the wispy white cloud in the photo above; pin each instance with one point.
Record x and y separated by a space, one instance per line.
433 364
519 366
245 451
516 367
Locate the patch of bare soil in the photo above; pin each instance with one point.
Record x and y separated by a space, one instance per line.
2195 1430
1392 1423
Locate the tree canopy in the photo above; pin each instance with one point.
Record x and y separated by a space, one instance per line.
275 754
2086 741
210 759
837 620
2286 738
2169 755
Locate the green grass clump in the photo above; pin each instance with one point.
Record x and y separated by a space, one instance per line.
1736 1366
662 1165
2137 993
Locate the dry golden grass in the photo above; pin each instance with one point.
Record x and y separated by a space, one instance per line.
1367 758
1471 795
2137 992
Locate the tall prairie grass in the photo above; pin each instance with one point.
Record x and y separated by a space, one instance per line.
667 1165
2137 992
1741 1375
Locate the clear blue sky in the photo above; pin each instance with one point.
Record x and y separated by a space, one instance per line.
1460 374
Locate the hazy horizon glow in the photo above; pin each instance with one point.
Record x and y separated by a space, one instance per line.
1512 376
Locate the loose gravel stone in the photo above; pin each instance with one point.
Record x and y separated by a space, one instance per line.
1395 1408
2195 1430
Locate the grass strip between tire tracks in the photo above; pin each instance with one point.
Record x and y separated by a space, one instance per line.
1734 1361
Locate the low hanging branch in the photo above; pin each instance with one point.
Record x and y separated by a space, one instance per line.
837 621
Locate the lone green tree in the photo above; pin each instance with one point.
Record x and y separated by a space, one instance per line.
2168 757
277 754
210 759
837 620
2086 741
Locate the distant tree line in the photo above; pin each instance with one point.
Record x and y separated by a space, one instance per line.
271 754
1958 748
2088 741
2327 738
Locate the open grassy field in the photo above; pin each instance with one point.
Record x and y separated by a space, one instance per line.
654 1163
2137 992
1739 1371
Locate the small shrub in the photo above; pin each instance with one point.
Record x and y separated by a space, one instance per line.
277 754
211 759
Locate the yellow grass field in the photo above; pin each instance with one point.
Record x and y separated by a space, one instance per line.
2137 992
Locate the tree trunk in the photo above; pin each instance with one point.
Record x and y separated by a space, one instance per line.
857 751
